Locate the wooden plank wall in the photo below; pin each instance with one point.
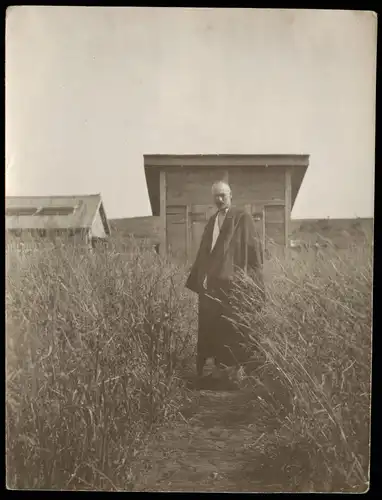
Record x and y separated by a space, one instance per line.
275 224
260 187
34 239
190 187
176 230
256 186
186 188
163 216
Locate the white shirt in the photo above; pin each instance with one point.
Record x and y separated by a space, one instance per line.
219 219
216 231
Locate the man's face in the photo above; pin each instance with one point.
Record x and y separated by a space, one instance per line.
222 196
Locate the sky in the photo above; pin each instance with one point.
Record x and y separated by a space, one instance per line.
90 90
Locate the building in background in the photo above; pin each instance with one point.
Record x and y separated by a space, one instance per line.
179 188
78 219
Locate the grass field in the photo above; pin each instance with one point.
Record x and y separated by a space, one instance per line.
314 341
97 345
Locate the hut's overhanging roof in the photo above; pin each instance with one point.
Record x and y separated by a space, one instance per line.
54 212
154 163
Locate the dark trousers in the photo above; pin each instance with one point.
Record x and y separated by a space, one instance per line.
217 336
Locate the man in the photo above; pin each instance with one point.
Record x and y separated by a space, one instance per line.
229 244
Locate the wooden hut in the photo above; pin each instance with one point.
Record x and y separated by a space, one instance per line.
38 219
179 188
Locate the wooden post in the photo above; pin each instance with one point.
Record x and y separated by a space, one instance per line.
187 224
288 204
264 227
162 197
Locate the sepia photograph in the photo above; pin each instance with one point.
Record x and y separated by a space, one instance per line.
189 213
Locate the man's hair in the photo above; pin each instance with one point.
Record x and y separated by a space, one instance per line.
221 183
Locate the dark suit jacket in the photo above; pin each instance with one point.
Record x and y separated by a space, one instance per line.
237 247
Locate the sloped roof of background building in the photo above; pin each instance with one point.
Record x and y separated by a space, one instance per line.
82 217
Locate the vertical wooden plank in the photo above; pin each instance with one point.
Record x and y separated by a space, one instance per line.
187 232
288 204
225 176
263 235
162 194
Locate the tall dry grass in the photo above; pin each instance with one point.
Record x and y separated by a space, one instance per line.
95 344
312 386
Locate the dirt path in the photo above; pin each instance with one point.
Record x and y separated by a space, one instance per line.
210 450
